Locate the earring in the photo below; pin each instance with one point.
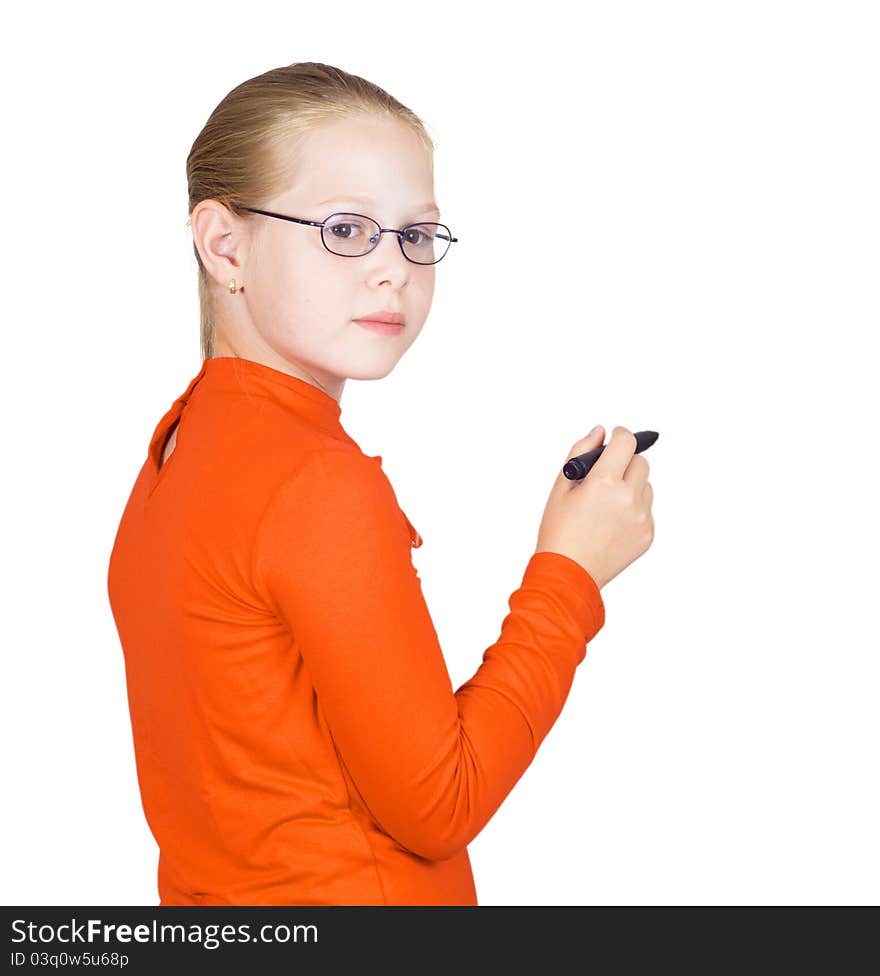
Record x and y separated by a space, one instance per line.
232 288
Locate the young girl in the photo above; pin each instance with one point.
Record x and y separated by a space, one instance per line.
297 737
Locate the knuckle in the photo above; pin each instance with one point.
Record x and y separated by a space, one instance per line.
645 527
627 435
604 479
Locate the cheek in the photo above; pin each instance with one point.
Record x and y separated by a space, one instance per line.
426 288
296 282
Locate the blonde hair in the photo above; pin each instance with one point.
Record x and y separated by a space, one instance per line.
247 151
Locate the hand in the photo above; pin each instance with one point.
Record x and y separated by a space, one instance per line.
603 521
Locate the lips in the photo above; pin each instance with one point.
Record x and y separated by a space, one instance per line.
392 318
384 328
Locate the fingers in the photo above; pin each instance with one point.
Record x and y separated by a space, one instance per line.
618 453
636 474
593 439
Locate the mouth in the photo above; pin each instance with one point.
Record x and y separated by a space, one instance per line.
381 326
383 315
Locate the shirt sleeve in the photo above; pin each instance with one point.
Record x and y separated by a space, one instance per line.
333 559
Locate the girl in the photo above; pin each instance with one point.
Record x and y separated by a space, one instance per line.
297 737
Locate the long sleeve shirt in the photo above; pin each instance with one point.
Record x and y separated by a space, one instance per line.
296 734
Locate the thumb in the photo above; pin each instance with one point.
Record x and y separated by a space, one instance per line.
588 443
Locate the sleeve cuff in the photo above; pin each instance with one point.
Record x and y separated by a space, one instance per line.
574 585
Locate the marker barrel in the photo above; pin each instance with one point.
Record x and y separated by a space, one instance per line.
577 468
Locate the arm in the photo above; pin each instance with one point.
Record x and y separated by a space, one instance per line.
333 558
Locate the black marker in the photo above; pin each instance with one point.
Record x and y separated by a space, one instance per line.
579 466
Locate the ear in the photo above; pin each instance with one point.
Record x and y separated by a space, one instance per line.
215 236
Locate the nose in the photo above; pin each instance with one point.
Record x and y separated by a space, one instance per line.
376 239
379 259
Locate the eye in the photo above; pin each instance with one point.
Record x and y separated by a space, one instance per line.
418 235
345 230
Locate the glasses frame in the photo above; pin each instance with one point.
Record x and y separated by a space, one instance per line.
382 230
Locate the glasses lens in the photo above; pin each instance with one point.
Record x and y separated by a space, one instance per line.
350 234
426 243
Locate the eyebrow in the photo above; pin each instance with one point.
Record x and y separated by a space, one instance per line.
426 208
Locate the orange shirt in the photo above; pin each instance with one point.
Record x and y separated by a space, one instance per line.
296 734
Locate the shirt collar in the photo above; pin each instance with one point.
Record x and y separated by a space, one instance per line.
245 376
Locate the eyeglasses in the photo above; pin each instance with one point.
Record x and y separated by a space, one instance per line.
352 235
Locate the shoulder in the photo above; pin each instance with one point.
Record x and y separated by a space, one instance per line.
336 514
333 482
340 468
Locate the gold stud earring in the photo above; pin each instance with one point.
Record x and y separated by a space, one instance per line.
232 288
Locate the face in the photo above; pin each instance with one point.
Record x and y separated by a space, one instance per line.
300 302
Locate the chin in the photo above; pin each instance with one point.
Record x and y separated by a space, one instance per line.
367 371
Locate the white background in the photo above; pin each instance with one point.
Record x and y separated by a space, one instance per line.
689 197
